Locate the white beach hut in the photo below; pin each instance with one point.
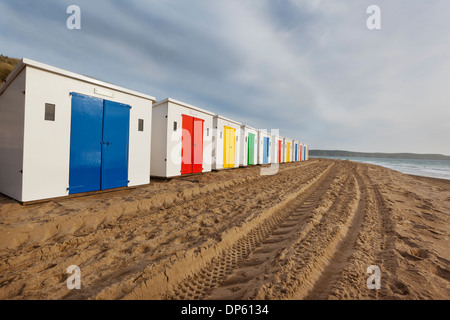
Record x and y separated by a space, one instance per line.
277 149
302 151
283 150
288 143
249 146
62 133
226 143
181 139
295 150
264 147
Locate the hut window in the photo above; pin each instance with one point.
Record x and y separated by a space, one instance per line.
175 126
220 134
237 138
141 125
207 132
245 139
49 112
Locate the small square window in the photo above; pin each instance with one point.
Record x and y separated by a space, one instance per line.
140 124
207 132
220 134
49 112
236 138
245 139
175 126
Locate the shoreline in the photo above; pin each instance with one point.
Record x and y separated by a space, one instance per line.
444 180
445 183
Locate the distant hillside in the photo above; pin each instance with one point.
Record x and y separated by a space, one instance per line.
6 66
340 153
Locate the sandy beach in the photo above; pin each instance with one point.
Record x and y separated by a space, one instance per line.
308 232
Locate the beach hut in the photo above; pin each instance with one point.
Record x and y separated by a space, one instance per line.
181 139
249 146
301 151
295 149
264 147
62 133
300 146
277 149
288 149
226 143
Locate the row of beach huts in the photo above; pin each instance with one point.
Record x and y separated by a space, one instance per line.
62 133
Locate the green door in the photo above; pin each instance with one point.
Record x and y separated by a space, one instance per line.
251 149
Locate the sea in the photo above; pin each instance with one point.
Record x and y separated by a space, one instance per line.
427 168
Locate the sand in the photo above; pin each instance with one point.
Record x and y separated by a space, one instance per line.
308 232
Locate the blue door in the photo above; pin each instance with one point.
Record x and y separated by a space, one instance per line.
98 144
85 148
296 152
116 122
266 150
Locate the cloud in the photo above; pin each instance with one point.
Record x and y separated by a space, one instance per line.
310 68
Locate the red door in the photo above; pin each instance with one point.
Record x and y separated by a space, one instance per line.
279 151
192 145
186 144
197 163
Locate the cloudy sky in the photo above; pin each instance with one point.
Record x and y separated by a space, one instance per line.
310 68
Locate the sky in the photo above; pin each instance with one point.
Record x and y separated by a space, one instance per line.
310 68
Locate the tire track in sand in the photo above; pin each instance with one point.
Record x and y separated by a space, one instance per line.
254 273
295 274
215 275
112 252
369 247
180 232
345 248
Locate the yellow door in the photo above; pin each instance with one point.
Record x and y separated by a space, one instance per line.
288 152
232 146
229 147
